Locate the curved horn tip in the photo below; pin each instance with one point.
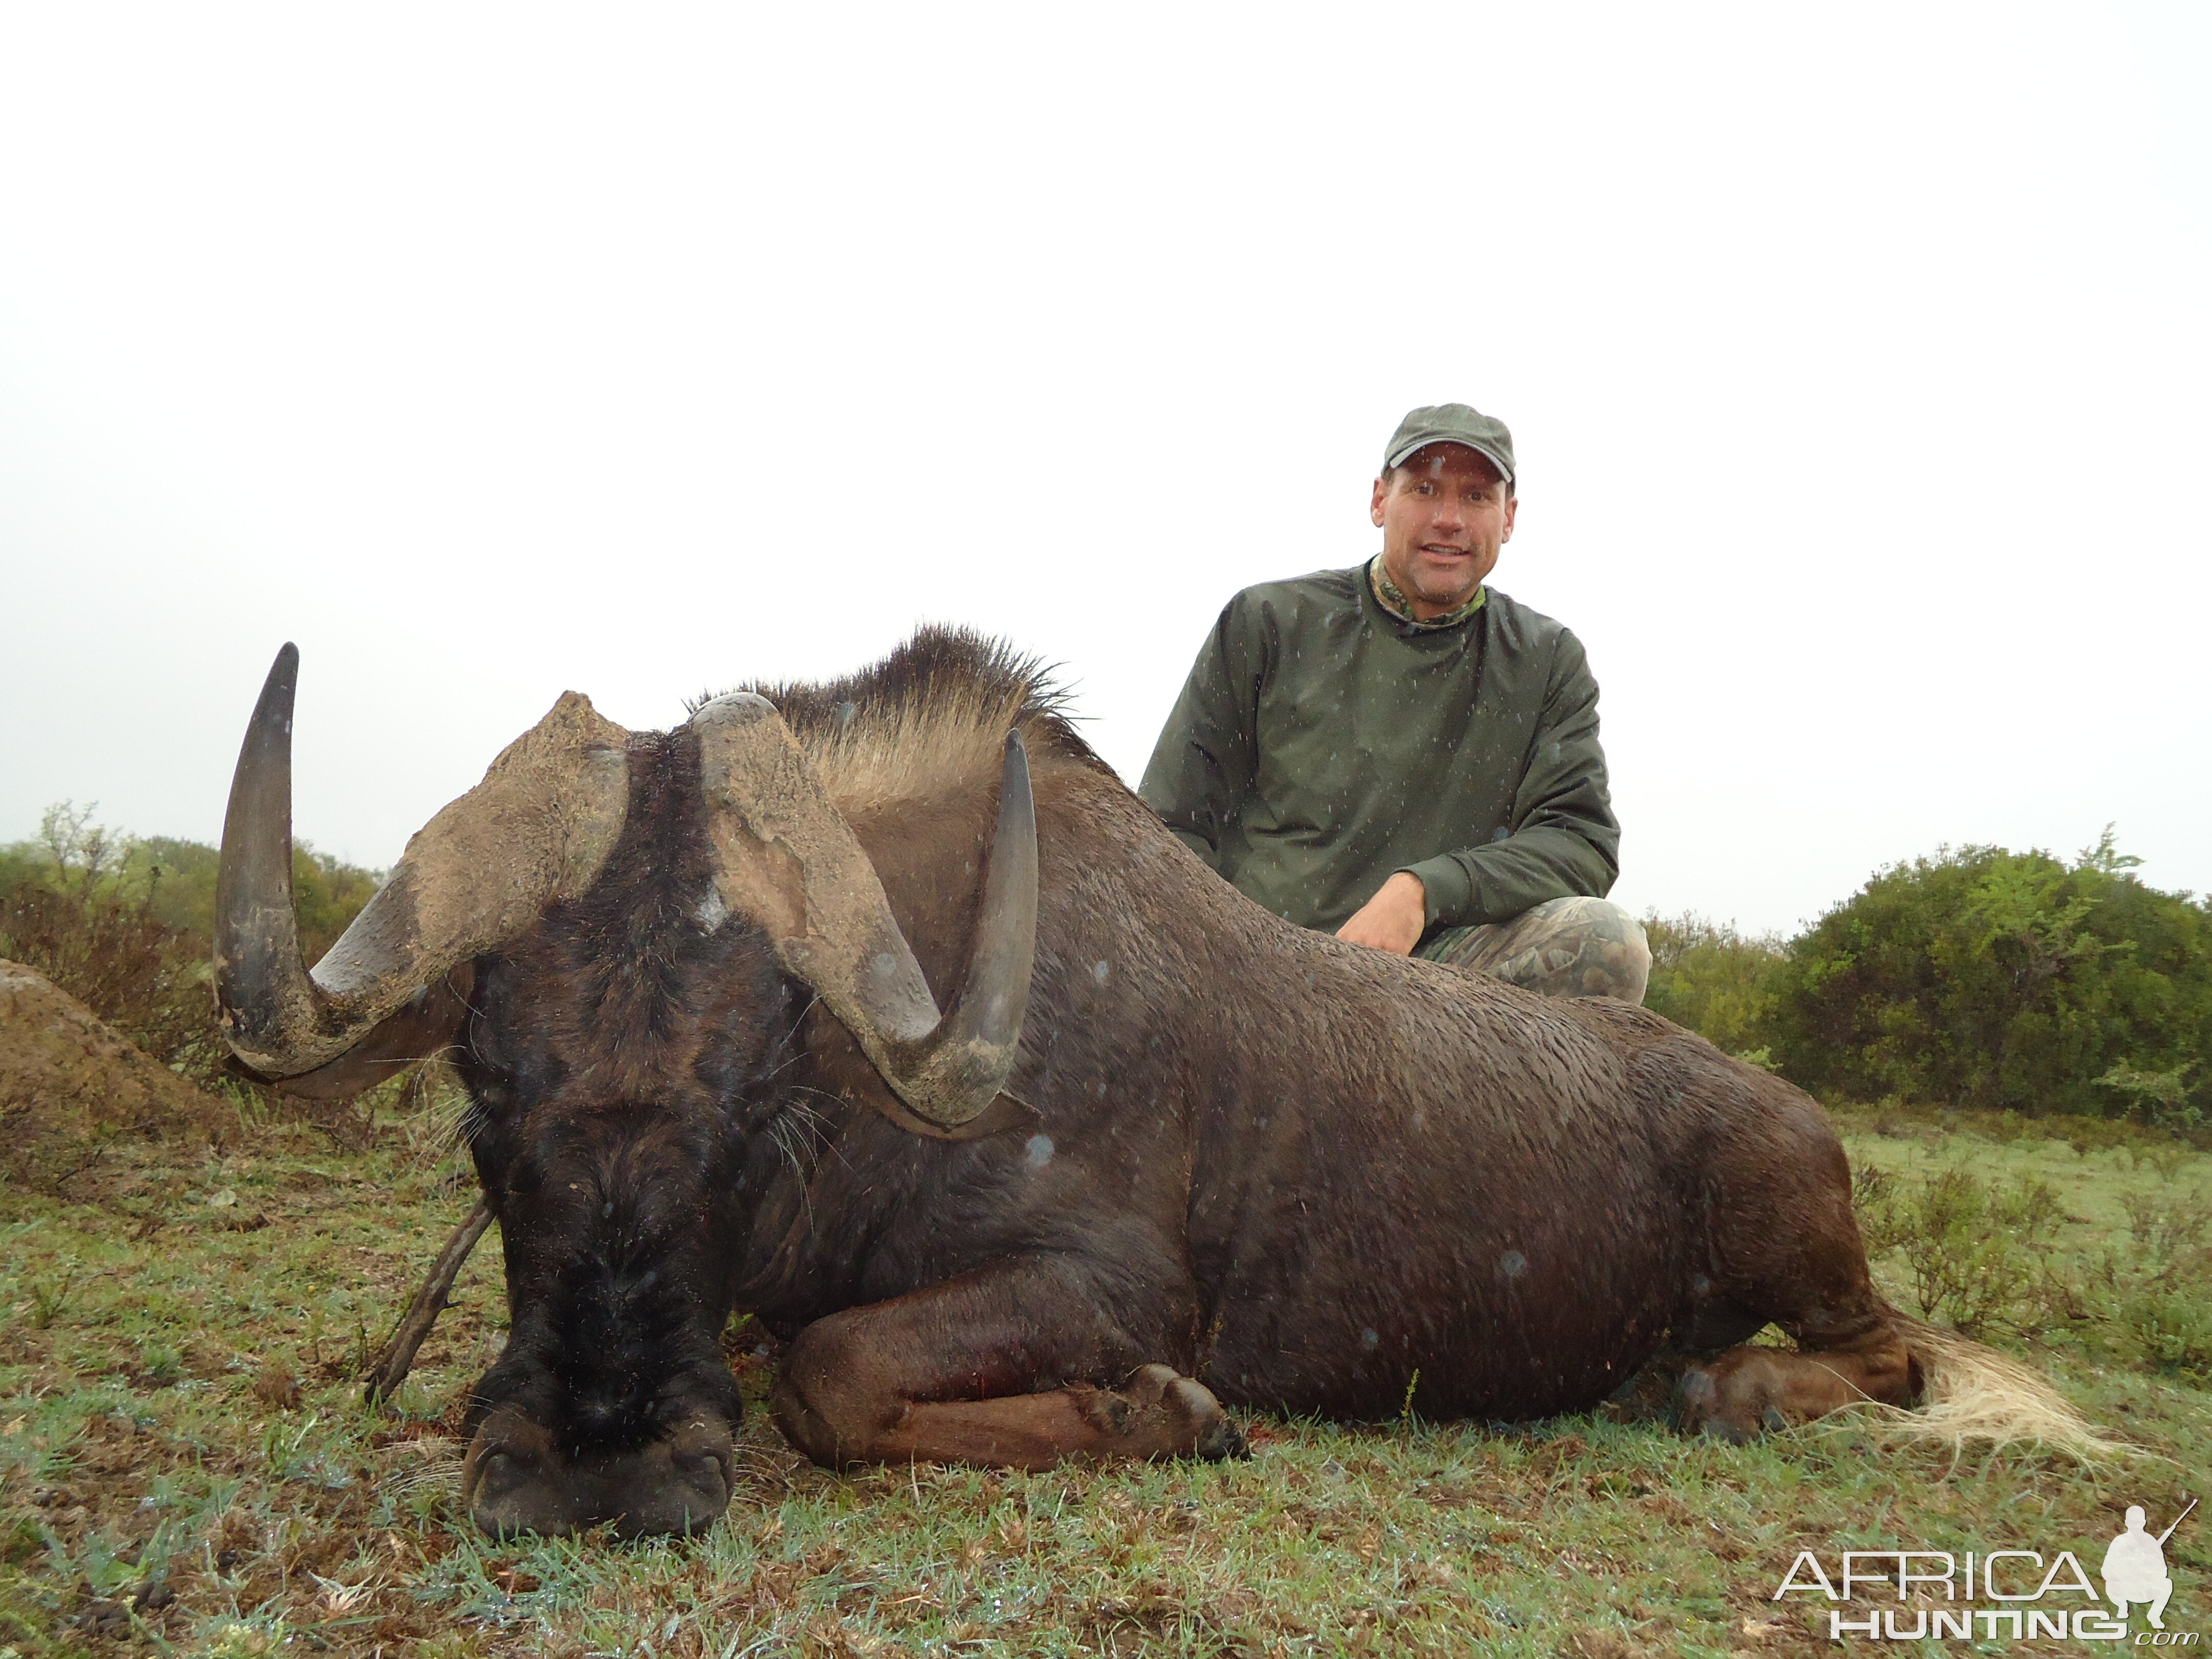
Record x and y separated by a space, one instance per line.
281 680
1014 769
284 671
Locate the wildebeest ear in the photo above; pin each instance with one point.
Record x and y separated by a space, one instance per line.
1004 1113
427 1026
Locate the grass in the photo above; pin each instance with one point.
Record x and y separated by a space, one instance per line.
2099 1244
185 1466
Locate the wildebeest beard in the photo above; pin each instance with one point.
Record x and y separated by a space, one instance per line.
621 1059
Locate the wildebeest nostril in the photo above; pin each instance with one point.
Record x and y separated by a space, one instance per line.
495 1472
508 1496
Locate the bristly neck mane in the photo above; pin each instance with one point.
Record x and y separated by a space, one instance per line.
928 719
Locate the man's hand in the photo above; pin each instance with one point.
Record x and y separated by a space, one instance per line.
1394 918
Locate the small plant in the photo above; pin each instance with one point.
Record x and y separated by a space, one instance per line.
1972 1250
161 1362
283 1445
2173 1324
2162 1232
1875 1198
50 1300
244 1638
2166 1160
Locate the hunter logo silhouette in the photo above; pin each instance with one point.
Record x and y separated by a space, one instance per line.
2135 1566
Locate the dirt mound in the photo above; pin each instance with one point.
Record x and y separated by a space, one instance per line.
71 1086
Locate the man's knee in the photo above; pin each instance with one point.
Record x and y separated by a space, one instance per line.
1573 947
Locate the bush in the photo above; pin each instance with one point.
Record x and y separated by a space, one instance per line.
1975 1252
124 926
2001 979
179 878
2162 1284
146 980
1715 981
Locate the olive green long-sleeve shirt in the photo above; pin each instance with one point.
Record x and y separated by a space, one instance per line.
1321 743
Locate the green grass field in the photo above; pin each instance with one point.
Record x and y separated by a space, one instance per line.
185 1465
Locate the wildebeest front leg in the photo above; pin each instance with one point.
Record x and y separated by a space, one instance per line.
951 1375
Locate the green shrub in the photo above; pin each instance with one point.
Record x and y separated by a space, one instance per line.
1999 979
2173 1327
1713 979
179 877
1974 1251
123 925
2158 1286
147 981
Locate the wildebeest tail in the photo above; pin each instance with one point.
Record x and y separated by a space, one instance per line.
1971 1394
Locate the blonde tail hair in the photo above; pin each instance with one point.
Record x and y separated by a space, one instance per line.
1972 1394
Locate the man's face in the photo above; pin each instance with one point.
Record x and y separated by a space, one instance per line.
1445 514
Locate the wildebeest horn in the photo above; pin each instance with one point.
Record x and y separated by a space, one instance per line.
538 828
786 858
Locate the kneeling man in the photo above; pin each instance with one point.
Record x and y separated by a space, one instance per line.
1407 757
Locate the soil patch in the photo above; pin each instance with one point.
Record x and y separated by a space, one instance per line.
70 1087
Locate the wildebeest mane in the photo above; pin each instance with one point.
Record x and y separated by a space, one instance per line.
931 715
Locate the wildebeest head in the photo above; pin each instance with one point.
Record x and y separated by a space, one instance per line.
618 934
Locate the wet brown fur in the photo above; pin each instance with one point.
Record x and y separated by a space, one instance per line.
1297 1170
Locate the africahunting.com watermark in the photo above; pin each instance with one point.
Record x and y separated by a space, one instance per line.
2001 1595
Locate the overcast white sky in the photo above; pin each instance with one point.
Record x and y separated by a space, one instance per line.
1857 357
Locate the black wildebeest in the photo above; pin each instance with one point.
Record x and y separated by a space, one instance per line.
1165 1150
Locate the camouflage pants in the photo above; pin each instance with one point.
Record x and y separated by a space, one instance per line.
1565 947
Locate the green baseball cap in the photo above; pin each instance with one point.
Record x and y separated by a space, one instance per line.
1453 424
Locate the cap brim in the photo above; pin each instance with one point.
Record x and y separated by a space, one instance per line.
1505 466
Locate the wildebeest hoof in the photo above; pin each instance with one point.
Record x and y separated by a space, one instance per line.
1699 1409
1197 1427
1221 1442
1695 1397
1217 1437
1107 1412
1151 1383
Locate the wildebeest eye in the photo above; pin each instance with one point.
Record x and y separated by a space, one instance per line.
526 1177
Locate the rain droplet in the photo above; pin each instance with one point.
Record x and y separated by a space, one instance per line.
1039 1150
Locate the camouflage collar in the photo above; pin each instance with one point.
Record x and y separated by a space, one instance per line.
1388 596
